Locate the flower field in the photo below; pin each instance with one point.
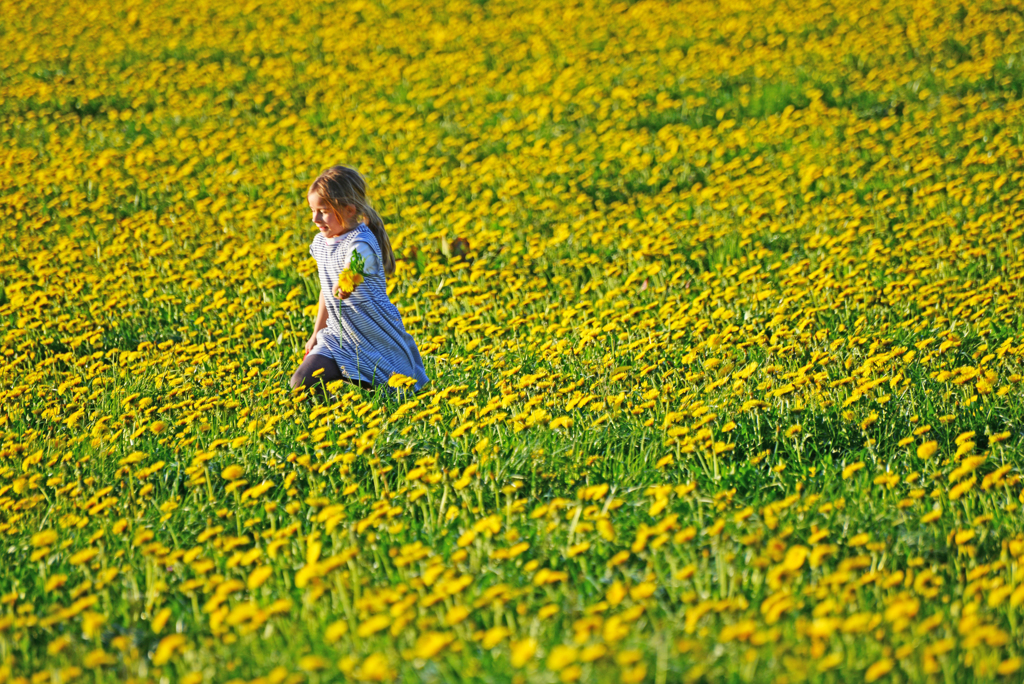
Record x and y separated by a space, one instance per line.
720 302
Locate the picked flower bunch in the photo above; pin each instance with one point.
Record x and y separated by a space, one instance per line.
350 277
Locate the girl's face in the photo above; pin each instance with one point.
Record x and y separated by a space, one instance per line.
328 221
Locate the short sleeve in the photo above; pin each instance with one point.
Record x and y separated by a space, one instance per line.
369 257
312 245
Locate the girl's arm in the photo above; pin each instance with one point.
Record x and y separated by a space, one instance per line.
321 315
320 323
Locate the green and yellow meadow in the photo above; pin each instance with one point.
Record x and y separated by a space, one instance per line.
721 303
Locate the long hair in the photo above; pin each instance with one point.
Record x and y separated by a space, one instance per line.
342 185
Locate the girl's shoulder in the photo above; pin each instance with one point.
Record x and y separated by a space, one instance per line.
364 234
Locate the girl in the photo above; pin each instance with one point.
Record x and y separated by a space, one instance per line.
358 336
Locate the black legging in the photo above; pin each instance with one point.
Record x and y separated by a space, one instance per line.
303 375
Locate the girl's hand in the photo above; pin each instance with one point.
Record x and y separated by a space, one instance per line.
350 277
310 343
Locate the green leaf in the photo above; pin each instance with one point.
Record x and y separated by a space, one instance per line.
356 264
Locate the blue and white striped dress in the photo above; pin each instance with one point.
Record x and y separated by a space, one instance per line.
364 332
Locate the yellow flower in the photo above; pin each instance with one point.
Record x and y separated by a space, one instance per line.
83 556
55 581
258 576
313 663
634 675
1008 666
335 631
849 470
795 557
57 645
346 664
618 559
859 539
570 674
98 658
398 381
430 644
167 648
830 661
523 651
878 670
160 619
232 472
456 614
347 282
373 625
92 623
44 538
642 591
494 636
577 549
375 668
616 592
561 656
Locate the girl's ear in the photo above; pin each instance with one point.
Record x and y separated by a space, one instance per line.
350 212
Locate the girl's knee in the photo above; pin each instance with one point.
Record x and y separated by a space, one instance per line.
313 371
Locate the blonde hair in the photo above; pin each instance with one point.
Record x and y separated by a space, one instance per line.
341 185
